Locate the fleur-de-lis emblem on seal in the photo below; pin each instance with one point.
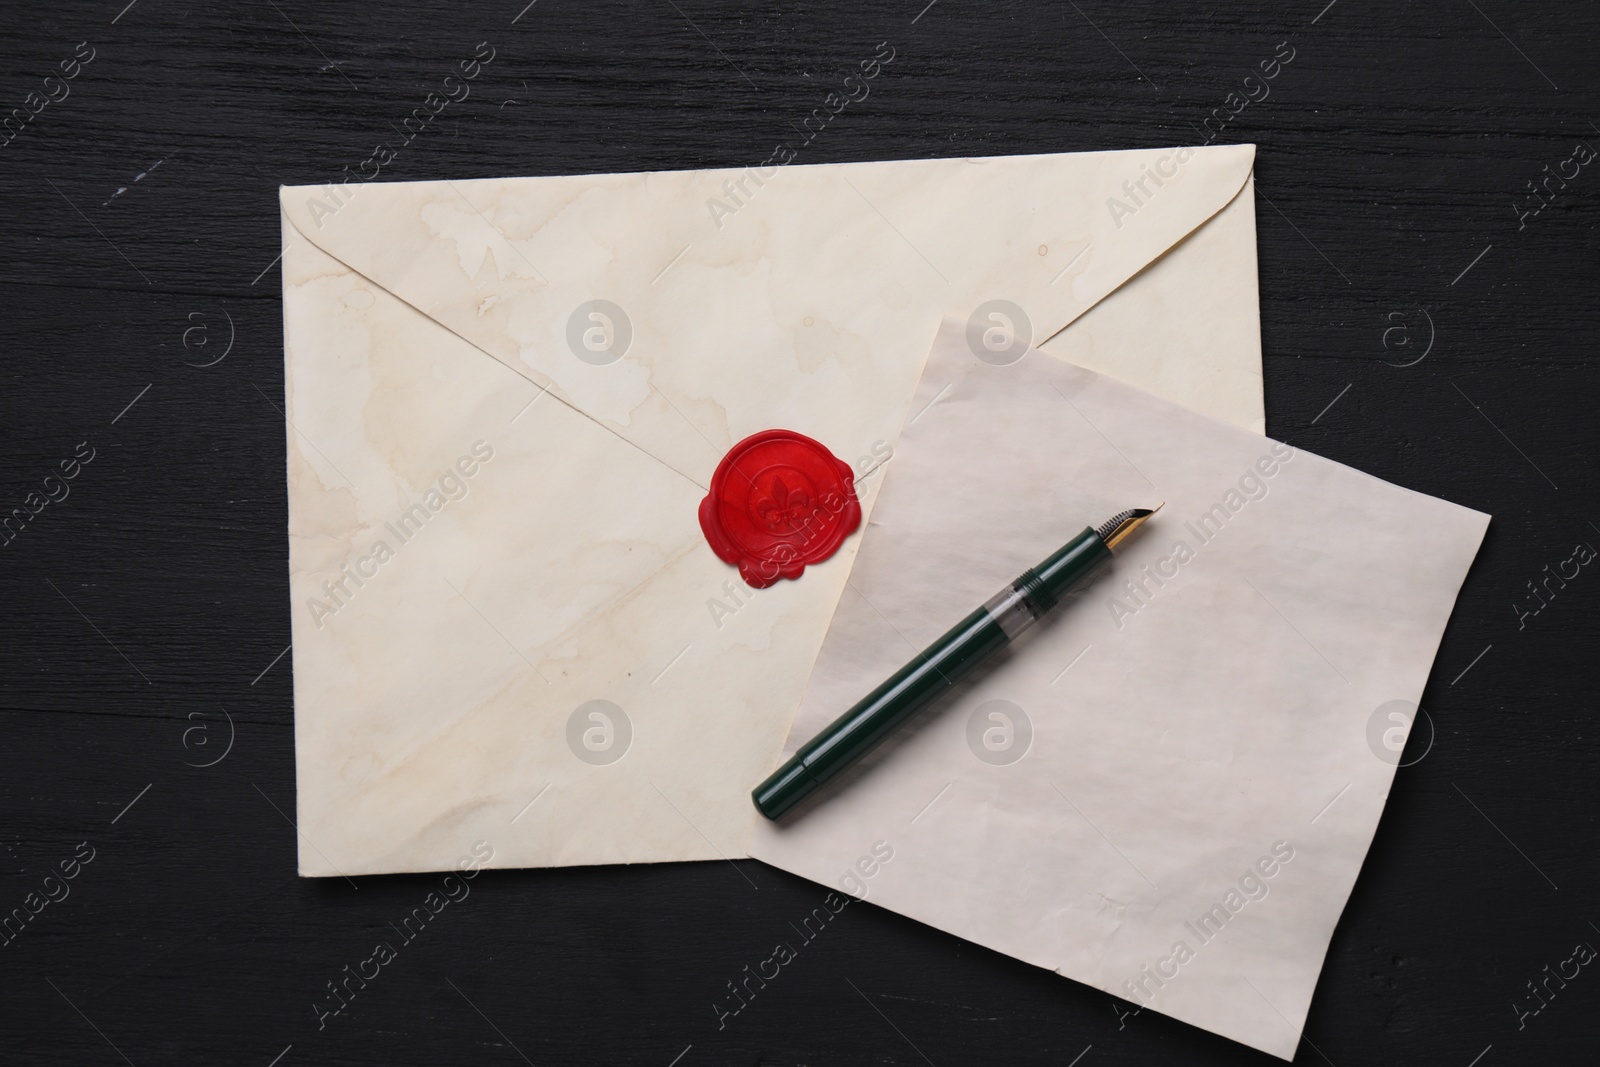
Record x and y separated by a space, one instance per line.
783 509
778 503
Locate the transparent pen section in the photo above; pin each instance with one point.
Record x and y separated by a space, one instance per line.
1013 609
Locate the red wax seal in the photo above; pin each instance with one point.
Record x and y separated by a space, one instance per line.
779 501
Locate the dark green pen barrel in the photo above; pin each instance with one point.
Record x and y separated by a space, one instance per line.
929 675
858 731
907 691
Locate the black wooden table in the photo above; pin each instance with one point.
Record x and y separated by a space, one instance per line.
1428 242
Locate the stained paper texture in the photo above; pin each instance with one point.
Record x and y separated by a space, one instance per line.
1165 789
506 399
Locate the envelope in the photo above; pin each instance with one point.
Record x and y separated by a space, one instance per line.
1164 789
504 403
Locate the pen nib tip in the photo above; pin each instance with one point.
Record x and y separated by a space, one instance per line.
1119 526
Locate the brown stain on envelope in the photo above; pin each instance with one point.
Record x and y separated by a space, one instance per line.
400 412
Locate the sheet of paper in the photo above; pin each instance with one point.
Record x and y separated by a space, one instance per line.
1165 789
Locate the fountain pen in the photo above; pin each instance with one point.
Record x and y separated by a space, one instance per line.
939 666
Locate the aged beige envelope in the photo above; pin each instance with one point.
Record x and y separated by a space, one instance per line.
1165 789
506 398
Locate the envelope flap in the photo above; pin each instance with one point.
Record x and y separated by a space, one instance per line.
596 286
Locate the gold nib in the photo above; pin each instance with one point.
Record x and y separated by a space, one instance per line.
1119 526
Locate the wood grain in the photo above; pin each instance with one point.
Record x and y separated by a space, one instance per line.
151 601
